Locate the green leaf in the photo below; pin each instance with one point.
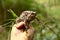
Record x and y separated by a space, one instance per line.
12 12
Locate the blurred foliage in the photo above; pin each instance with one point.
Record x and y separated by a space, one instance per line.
48 11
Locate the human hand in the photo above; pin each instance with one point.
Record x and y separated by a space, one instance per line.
18 34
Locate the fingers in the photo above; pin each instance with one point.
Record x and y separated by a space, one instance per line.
19 25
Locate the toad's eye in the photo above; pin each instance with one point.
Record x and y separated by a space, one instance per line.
33 14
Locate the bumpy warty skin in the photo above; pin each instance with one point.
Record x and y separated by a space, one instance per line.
26 16
18 34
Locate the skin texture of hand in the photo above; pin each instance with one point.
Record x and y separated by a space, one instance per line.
19 34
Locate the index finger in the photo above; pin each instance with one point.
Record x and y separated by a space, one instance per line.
19 25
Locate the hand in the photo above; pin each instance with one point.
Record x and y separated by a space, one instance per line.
18 34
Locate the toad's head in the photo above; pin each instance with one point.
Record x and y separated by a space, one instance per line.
27 16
